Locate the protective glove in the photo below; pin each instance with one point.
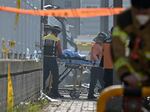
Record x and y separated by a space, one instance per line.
133 79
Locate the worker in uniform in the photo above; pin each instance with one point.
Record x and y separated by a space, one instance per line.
52 50
131 48
108 64
96 57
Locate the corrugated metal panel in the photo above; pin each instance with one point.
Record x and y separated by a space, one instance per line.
27 32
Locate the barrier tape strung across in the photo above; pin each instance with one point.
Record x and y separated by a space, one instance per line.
70 13
10 97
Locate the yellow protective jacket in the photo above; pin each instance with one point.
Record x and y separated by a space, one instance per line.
131 46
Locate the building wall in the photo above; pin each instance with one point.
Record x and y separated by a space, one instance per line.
26 81
90 26
27 32
75 22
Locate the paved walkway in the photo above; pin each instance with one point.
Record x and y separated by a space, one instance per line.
69 105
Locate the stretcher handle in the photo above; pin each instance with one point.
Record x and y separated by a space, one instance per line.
115 90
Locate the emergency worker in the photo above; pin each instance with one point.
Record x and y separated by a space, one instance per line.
96 57
52 50
131 50
108 64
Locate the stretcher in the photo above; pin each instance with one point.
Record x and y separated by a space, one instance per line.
73 64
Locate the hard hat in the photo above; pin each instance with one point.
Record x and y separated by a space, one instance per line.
56 29
101 37
141 4
108 39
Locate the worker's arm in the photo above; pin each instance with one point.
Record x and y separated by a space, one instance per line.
94 52
59 49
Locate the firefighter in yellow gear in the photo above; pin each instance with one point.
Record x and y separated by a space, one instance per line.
131 48
131 52
52 50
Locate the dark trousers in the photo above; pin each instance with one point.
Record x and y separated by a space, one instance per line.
108 77
50 65
96 75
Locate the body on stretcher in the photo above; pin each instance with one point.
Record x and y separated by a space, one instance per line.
71 64
72 58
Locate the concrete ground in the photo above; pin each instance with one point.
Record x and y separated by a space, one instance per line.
71 105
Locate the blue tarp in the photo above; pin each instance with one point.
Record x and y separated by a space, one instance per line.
67 53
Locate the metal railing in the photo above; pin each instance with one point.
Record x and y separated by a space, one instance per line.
112 91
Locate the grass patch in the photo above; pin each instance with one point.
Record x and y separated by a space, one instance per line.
36 106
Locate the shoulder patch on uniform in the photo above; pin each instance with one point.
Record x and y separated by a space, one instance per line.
124 19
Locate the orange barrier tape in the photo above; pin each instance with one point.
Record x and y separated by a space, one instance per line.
82 12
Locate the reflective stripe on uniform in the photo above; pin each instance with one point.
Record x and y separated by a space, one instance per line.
147 55
121 34
120 63
123 62
51 37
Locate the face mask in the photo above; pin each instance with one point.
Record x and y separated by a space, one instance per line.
143 19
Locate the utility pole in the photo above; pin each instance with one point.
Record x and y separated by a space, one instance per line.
42 26
117 3
104 20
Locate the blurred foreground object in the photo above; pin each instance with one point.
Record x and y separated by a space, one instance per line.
131 48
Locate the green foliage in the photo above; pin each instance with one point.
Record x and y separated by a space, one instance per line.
31 107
